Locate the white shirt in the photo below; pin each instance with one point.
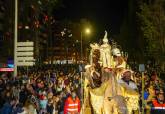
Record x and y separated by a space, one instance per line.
131 84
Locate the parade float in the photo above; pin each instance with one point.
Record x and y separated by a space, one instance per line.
102 92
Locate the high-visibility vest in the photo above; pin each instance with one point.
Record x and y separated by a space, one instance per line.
72 106
157 105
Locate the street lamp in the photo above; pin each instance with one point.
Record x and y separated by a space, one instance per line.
15 37
86 31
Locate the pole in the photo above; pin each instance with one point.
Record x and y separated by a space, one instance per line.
82 92
81 48
143 103
15 37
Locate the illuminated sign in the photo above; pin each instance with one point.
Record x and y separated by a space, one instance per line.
10 65
6 69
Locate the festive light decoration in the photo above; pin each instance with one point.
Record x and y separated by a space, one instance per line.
6 69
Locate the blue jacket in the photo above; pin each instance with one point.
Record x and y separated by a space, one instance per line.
146 94
17 110
6 109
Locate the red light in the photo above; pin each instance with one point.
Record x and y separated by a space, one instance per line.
6 69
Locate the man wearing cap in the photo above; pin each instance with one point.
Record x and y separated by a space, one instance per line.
126 80
132 96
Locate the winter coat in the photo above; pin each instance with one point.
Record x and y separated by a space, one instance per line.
6 109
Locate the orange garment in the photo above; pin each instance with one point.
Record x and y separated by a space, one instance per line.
157 105
72 106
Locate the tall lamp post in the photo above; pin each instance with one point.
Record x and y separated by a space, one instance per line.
87 31
15 37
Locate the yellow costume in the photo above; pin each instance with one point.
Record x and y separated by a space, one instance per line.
109 97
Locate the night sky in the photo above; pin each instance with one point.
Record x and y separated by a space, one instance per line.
103 14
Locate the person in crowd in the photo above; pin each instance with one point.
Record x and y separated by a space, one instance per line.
61 103
2 87
16 91
50 107
8 106
146 93
7 94
159 102
18 109
31 106
43 102
158 105
66 81
72 104
23 95
157 84
153 76
151 94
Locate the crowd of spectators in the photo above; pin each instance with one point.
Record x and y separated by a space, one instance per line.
41 92
154 91
45 91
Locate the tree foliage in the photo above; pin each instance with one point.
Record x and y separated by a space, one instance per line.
152 25
143 30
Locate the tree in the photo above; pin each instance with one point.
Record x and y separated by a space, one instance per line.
151 17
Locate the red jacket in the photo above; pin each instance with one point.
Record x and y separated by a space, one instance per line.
157 105
72 106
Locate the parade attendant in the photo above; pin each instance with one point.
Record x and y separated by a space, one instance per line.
72 104
126 80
